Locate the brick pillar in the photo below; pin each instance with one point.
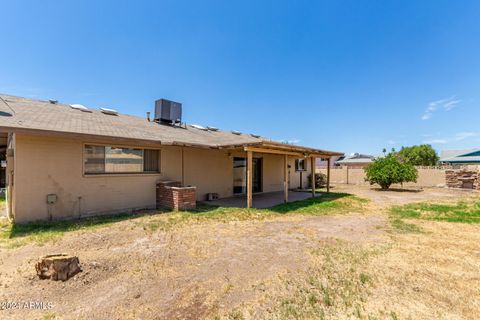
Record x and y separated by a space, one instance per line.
164 194
171 195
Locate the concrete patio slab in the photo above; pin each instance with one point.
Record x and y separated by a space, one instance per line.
261 200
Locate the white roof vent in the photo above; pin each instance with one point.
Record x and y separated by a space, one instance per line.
212 128
111 112
236 132
199 127
80 107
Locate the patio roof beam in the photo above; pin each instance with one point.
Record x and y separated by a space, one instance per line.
264 150
319 153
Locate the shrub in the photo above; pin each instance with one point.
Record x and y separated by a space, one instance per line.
320 180
388 170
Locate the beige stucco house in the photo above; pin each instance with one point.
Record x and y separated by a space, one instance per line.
67 161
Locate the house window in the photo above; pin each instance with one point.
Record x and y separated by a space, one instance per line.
300 165
94 159
108 159
150 160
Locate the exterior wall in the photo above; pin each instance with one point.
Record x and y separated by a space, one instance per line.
52 165
294 176
273 172
55 166
427 177
208 170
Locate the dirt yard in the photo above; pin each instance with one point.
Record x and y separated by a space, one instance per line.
335 266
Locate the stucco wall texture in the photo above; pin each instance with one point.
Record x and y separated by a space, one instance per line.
53 165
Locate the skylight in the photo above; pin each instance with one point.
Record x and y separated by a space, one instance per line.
111 112
80 107
199 127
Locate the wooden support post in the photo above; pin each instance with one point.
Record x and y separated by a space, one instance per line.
10 213
249 179
328 175
183 167
285 178
313 175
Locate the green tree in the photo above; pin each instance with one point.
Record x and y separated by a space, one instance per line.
422 155
390 169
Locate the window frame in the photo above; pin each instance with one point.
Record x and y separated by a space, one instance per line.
297 167
122 174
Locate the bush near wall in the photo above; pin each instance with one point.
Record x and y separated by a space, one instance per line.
320 180
388 170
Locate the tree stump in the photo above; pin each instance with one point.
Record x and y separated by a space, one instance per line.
57 267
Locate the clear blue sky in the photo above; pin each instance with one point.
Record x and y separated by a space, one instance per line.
351 76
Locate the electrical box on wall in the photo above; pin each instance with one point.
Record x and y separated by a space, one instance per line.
51 198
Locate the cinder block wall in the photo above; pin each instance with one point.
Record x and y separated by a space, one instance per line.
427 177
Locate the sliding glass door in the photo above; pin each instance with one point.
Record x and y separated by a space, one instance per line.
240 175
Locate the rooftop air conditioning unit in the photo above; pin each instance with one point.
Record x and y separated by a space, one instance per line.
168 111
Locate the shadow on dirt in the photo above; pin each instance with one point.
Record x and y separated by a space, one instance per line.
398 190
325 200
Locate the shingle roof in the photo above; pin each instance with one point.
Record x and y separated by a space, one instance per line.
40 115
356 158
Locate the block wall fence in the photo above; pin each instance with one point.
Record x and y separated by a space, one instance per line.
427 176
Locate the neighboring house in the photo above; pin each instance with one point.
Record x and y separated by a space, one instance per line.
469 156
66 161
322 163
355 160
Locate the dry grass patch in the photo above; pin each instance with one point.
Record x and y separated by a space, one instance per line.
336 285
17 235
430 275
